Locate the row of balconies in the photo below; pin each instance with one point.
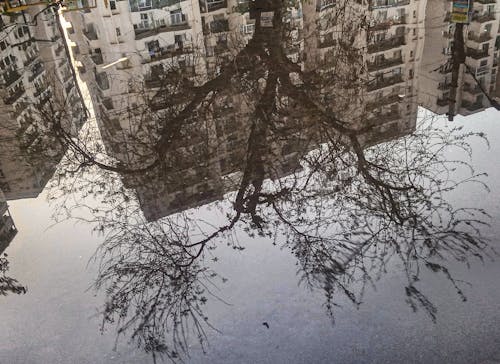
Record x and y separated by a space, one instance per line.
383 45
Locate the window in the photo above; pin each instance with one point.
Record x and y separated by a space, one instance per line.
379 37
144 4
118 31
178 38
382 15
144 21
3 45
112 4
153 46
484 62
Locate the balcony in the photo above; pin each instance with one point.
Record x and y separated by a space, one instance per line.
325 4
29 60
483 18
387 23
477 53
36 71
59 49
219 26
327 41
473 90
446 68
384 82
10 76
67 76
174 23
486 1
69 87
90 33
385 100
382 4
7 229
142 5
444 85
442 102
39 91
383 117
97 58
44 99
384 63
472 106
386 44
479 71
152 82
480 38
14 96
212 5
102 80
169 51
108 103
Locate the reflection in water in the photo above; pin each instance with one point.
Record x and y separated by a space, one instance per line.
296 122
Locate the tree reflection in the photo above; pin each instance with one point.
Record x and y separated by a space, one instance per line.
301 166
346 221
8 284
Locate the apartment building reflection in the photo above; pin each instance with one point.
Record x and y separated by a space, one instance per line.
124 50
8 229
477 78
35 72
